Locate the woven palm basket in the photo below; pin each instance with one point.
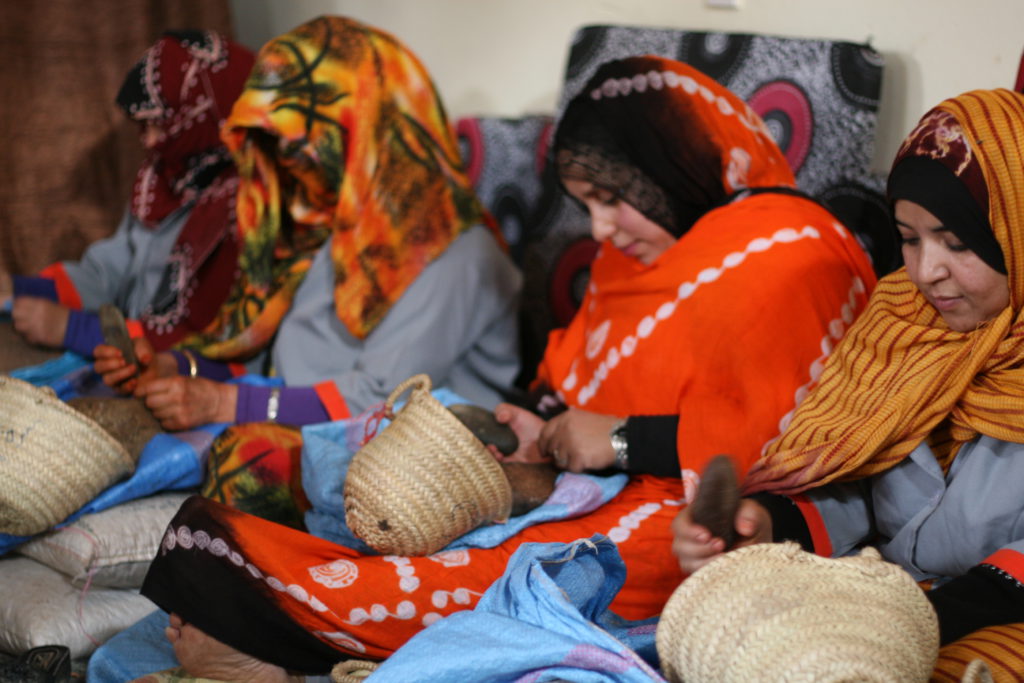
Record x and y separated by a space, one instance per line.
424 480
772 612
53 459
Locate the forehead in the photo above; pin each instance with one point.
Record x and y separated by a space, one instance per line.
914 216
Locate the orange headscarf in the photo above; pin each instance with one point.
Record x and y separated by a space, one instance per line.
338 135
729 327
901 375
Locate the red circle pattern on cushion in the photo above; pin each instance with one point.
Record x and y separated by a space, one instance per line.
789 100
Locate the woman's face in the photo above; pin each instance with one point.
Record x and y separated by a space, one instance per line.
152 135
617 221
965 290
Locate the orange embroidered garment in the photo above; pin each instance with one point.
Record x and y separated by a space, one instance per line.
728 328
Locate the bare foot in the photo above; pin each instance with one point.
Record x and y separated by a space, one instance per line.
203 656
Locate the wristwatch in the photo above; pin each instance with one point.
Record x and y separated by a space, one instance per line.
619 445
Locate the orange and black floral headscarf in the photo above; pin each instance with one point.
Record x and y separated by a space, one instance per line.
901 376
339 135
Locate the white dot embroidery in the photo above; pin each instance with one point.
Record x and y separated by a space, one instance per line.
648 324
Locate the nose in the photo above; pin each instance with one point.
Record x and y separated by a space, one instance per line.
602 222
150 136
932 264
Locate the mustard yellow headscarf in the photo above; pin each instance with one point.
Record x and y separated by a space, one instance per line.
900 375
339 134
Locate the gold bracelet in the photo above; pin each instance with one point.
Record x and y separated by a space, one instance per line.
193 367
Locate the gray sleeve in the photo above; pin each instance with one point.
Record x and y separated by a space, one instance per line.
845 510
98 274
126 267
456 323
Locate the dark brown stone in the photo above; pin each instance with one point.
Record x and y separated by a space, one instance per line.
532 484
717 500
128 420
486 427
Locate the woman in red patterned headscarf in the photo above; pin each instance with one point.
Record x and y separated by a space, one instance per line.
717 294
172 260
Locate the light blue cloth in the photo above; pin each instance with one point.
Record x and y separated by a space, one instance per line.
327 451
169 462
545 619
136 651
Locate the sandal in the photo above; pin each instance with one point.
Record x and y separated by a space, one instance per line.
43 664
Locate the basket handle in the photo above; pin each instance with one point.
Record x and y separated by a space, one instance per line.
419 383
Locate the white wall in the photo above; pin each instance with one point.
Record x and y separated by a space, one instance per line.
506 57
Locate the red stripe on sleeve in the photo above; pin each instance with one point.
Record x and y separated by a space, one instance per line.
333 401
67 293
1010 561
135 329
816 525
237 369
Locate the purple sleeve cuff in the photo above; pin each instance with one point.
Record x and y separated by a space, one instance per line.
297 406
210 369
83 333
42 287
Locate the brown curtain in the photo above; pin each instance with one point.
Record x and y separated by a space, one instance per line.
69 155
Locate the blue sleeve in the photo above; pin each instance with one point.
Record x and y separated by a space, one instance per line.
83 333
41 287
298 406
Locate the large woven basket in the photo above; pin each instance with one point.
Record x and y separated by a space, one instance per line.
53 459
772 612
424 480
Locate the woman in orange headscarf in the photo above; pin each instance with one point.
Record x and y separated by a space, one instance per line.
365 258
716 295
913 439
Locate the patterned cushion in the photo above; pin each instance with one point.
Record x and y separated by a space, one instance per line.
818 97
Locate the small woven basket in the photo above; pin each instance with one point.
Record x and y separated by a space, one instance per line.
772 612
424 480
53 459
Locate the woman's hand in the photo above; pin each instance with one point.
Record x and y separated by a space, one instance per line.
184 402
694 546
527 427
125 377
578 440
40 321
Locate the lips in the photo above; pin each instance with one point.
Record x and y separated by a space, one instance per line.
945 303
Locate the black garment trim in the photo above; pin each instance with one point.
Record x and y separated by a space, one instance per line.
984 596
651 445
788 523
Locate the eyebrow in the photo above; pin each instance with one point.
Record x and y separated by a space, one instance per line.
936 229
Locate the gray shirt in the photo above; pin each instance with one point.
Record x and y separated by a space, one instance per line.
457 322
126 269
931 524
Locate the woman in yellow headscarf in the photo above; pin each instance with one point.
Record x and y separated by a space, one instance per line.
914 438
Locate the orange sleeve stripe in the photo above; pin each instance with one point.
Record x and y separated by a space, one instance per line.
816 525
1010 561
135 329
333 401
67 293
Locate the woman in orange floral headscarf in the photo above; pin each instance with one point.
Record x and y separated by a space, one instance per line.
365 258
914 438
713 301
